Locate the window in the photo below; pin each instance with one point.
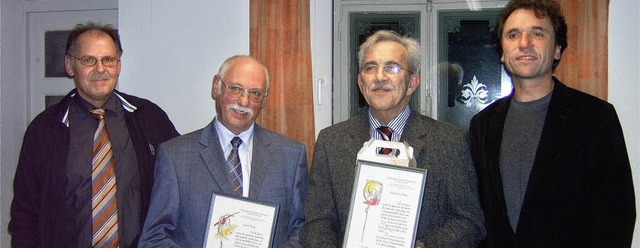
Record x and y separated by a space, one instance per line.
363 25
461 72
469 70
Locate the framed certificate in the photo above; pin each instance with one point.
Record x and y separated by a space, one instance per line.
385 205
240 222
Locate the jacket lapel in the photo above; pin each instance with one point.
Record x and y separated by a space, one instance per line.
494 141
554 125
359 134
214 160
414 134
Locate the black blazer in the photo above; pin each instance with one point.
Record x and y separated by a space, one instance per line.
580 191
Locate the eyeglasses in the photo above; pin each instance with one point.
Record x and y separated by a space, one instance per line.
388 69
91 61
235 90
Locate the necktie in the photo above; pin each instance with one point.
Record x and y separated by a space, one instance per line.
386 135
235 168
104 209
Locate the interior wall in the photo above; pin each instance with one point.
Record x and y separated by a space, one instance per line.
172 50
624 90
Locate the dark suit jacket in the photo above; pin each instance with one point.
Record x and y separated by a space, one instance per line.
450 216
580 191
192 167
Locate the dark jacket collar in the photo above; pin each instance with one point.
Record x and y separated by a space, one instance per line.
61 110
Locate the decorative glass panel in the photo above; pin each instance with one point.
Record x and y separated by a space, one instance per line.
364 24
470 75
55 42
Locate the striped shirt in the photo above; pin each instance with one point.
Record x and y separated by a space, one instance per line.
396 125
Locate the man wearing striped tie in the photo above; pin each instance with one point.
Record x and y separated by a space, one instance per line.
232 155
84 176
388 75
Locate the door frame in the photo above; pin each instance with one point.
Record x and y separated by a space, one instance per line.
13 86
342 57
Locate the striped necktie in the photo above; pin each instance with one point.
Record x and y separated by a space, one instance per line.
235 168
385 132
104 209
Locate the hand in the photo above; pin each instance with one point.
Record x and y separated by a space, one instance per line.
420 244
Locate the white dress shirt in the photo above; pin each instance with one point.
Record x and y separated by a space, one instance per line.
244 150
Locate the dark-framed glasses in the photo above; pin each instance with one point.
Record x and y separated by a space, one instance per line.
237 91
388 69
91 61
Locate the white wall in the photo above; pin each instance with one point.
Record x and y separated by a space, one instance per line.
13 108
624 89
172 50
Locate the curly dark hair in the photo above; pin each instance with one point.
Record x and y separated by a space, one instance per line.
541 9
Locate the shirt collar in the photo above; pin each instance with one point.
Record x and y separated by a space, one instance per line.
225 135
396 125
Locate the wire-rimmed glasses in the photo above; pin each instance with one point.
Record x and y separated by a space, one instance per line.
91 61
237 91
387 69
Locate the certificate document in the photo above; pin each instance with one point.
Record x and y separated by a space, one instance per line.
240 222
385 205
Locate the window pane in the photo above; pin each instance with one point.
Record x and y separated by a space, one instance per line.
469 70
363 25
55 43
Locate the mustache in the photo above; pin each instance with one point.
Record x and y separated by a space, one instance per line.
236 107
380 85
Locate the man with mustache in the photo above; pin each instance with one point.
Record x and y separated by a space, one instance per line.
192 167
62 198
451 215
552 165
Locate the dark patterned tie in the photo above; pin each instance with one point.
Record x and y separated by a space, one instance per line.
235 168
386 135
104 207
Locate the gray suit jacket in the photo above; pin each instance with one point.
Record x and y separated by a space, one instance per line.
450 216
191 167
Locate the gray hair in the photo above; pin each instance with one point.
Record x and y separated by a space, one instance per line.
411 44
222 72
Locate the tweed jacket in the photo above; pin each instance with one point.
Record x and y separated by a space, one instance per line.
450 216
580 190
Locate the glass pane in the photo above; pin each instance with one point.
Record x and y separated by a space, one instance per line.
470 75
55 43
364 24
52 100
